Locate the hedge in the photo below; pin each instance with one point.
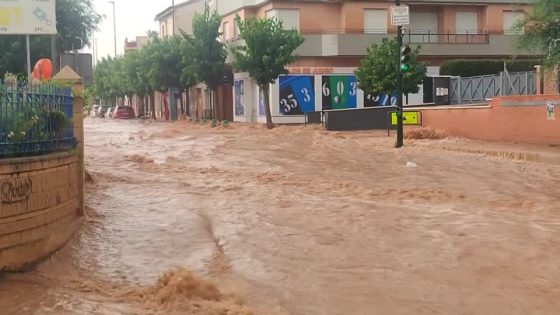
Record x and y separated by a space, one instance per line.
469 68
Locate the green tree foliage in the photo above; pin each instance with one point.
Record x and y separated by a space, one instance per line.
75 19
165 58
268 48
158 66
206 55
378 70
542 31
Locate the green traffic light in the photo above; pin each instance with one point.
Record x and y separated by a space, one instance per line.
405 67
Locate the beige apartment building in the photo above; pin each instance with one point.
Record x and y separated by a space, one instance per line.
183 14
139 42
195 102
337 34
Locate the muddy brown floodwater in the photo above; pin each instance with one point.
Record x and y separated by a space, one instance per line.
185 219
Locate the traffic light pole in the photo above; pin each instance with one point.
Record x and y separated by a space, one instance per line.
400 131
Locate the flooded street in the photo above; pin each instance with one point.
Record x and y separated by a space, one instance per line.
186 219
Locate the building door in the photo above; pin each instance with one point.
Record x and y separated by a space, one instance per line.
423 27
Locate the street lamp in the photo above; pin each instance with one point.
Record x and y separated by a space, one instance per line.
114 27
173 17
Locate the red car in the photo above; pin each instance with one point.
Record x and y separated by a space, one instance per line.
123 112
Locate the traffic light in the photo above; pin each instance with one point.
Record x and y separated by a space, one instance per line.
405 58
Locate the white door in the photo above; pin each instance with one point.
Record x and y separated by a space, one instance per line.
423 27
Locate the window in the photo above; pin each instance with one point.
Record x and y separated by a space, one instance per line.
375 21
511 18
225 30
289 17
163 30
423 27
236 32
466 23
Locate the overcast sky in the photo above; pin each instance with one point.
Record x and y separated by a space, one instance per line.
134 18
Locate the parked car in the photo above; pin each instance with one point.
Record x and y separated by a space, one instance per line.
123 112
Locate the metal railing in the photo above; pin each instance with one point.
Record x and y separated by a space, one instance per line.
35 119
427 36
480 88
414 36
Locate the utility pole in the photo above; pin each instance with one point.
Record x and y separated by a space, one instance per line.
400 131
114 27
173 17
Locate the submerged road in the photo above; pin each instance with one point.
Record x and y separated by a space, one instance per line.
186 219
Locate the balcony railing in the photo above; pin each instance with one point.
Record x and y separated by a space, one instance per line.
416 36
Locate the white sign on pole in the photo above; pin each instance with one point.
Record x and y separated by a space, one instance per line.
27 17
400 15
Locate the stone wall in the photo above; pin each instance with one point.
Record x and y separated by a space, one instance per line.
39 207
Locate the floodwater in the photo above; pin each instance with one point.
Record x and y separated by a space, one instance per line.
186 219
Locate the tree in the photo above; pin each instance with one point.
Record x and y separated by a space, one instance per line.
542 31
75 20
378 70
164 57
205 55
267 50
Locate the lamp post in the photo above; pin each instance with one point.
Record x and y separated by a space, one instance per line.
173 15
114 27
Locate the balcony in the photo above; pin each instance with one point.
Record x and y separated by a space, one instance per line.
473 37
444 43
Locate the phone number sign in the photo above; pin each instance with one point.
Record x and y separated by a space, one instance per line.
27 17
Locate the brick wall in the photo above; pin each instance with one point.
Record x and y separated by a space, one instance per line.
511 118
39 207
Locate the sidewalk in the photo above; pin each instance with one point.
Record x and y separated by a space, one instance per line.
542 153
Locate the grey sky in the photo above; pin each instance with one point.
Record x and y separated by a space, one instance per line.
134 18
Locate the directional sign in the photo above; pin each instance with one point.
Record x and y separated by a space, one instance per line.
400 15
26 17
409 118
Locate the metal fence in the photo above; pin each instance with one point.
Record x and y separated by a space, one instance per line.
479 88
35 119
438 36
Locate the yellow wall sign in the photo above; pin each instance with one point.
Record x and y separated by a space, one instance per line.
409 118
25 17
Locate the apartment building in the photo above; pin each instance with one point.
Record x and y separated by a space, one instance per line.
174 20
135 44
194 102
337 34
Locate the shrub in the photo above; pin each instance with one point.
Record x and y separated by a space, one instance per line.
469 68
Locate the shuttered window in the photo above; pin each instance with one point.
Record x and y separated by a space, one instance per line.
511 18
289 17
375 21
466 23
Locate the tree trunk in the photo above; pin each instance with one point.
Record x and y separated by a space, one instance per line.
153 106
266 94
187 103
